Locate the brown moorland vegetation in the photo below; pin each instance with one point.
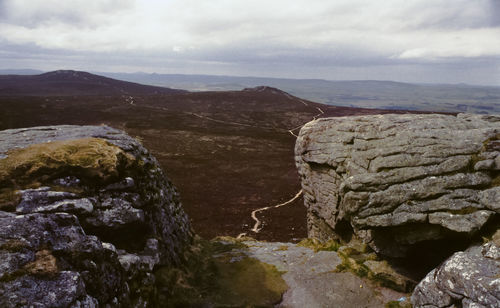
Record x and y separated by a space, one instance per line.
228 153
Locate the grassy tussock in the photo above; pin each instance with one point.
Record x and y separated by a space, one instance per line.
90 157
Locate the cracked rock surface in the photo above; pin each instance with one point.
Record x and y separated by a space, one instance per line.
86 216
395 181
469 278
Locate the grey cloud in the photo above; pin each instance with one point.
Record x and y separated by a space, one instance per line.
494 13
342 39
79 13
445 14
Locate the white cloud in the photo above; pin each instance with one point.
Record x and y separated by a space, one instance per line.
341 31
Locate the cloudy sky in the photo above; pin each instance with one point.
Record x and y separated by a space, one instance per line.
435 41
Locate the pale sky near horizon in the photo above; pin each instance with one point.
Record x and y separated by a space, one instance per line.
434 41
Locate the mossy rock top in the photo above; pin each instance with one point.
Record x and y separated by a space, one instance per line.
85 208
89 158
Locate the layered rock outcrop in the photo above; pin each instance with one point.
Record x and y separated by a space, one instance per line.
86 217
469 278
395 181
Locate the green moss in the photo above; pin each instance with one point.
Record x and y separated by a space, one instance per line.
386 277
223 244
91 158
192 283
354 266
217 275
316 245
247 282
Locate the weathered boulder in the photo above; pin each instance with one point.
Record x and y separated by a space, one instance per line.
86 217
467 279
395 181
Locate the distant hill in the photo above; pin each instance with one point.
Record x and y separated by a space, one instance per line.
357 93
73 83
361 93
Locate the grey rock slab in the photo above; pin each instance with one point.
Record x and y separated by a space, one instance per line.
76 206
34 200
491 198
83 257
313 279
401 173
117 216
466 223
65 289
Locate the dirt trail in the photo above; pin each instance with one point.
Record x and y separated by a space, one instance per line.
257 226
291 131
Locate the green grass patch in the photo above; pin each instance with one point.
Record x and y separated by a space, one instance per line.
316 245
218 274
354 266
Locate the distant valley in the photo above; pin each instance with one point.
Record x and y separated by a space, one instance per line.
359 94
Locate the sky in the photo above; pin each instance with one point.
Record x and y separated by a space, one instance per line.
424 41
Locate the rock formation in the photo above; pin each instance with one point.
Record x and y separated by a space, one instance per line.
469 278
86 217
399 181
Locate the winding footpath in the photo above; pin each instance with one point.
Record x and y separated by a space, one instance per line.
291 131
258 223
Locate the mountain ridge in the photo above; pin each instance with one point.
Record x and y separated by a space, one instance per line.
70 82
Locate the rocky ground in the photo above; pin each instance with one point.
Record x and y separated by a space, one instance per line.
78 202
318 276
88 219
416 189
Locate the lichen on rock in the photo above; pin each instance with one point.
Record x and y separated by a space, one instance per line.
87 214
469 278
